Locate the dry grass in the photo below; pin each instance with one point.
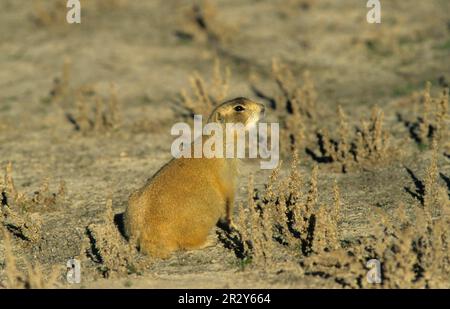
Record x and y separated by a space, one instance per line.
300 216
93 113
364 147
203 97
431 118
104 117
283 223
22 225
372 145
295 105
416 248
108 248
294 98
42 199
327 221
412 248
283 217
20 212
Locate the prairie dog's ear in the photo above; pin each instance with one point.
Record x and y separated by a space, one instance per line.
217 117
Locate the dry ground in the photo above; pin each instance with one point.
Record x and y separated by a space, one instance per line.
148 49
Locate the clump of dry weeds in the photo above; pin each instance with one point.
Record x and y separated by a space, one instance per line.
203 97
20 213
283 217
41 200
294 104
413 249
363 147
294 98
93 112
103 118
110 250
413 253
431 118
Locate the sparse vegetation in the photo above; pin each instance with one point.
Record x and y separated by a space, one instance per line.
94 114
284 216
365 139
113 254
295 105
20 212
206 96
103 118
413 249
432 118
367 146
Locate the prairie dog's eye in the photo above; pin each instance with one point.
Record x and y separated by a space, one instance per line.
239 108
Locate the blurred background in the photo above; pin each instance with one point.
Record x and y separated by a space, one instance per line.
150 48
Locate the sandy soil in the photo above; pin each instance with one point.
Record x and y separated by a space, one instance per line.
148 49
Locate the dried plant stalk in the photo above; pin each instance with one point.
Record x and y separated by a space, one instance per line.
206 96
432 118
114 255
368 146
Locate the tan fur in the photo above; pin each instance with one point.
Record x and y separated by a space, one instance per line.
185 199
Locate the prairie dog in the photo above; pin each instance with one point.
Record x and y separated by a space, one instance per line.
177 208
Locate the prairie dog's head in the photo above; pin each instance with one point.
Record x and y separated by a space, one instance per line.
239 110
